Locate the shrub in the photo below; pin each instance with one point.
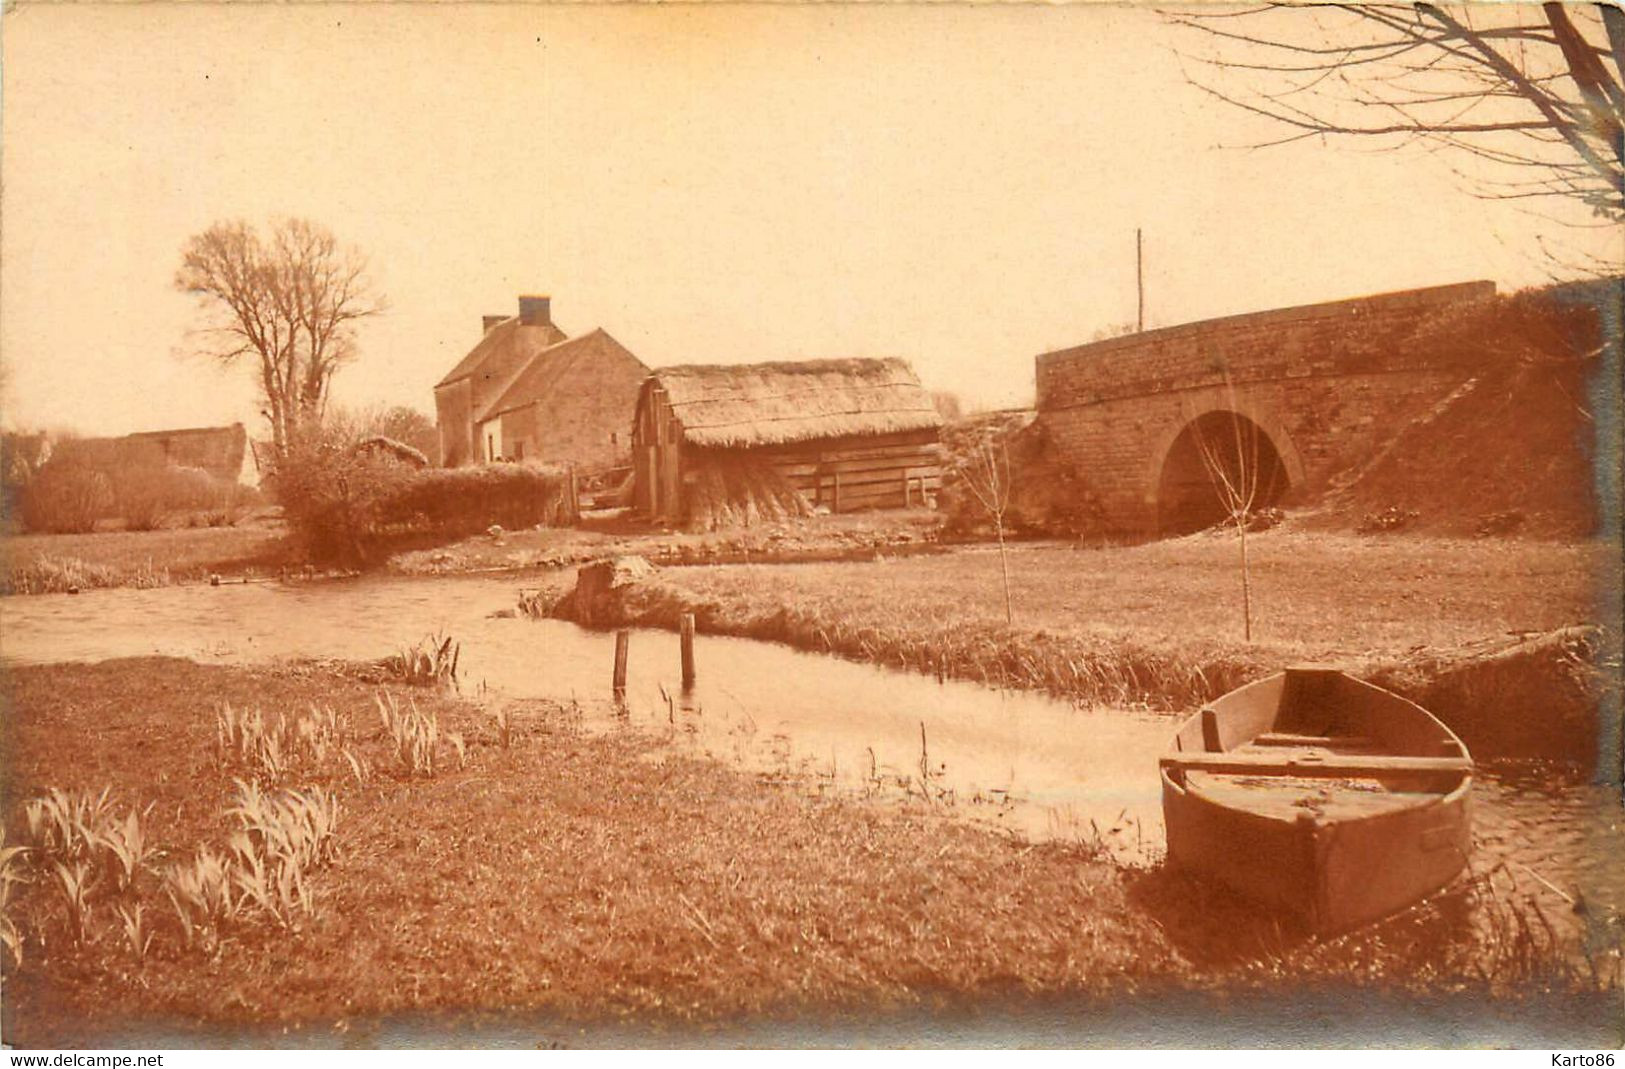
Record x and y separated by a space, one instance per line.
145 494
1047 495
346 506
65 497
462 501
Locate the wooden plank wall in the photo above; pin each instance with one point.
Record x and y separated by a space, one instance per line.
846 474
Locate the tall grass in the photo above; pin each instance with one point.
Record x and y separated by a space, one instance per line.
270 748
416 736
278 840
201 893
1118 672
11 859
85 858
85 851
46 574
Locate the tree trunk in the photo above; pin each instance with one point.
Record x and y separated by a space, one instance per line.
1246 583
1004 565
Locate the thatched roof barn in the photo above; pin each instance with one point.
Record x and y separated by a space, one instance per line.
384 447
527 392
220 451
717 444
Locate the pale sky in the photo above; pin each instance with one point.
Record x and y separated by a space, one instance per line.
955 185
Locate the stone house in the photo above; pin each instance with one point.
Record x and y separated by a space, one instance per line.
527 392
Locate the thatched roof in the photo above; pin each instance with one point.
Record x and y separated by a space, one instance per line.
548 365
732 406
217 450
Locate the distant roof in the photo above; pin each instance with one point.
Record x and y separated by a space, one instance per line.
546 367
217 450
769 404
506 334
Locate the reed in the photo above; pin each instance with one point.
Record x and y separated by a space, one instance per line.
67 826
128 851
502 718
132 923
11 862
73 879
415 735
201 893
431 662
272 747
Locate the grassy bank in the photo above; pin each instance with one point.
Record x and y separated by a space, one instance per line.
577 877
47 564
821 538
1161 623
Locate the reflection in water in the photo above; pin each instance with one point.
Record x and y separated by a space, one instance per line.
1018 759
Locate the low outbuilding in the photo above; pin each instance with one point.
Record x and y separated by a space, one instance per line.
715 445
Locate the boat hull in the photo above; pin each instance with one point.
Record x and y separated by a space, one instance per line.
1255 836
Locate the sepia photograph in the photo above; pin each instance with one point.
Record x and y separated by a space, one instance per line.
811 525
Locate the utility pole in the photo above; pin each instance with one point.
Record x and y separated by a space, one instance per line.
1139 277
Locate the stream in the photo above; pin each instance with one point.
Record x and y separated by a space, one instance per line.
1041 767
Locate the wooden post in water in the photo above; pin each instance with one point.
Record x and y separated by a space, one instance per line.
685 633
623 639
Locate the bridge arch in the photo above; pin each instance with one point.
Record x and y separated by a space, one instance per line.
1181 495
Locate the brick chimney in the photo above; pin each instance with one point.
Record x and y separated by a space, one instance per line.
487 322
535 311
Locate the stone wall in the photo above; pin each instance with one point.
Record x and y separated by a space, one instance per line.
1328 383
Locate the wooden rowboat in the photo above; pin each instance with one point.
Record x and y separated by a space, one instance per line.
1316 793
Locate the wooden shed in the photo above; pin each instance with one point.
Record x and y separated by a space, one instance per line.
712 443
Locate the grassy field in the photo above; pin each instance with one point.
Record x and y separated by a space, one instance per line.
41 564
1314 595
565 877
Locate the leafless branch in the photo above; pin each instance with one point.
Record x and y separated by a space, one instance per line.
291 301
1491 82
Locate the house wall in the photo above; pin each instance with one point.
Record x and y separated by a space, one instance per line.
454 416
657 456
1329 384
457 403
586 417
491 448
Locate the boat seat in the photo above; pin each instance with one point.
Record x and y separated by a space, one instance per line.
1330 742
1312 764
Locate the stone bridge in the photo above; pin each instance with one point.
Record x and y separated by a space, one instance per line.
1292 395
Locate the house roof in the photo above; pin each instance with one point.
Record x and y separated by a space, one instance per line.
500 339
217 450
544 369
776 403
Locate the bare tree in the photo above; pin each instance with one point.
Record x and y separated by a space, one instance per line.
1535 93
986 473
402 423
289 303
1230 456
